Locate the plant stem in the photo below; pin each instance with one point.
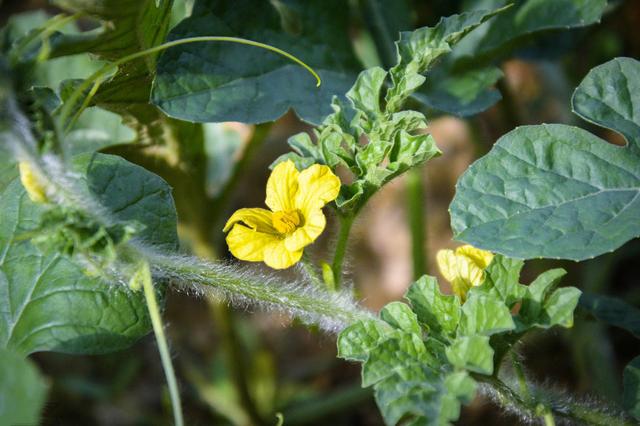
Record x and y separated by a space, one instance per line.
345 223
548 404
417 214
163 348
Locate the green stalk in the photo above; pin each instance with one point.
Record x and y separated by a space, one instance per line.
345 223
417 214
163 348
332 311
96 78
546 404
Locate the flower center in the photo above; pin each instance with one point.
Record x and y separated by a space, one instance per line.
286 221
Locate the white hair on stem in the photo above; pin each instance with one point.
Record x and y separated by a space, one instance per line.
239 286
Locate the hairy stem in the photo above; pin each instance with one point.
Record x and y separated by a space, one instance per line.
163 348
417 215
331 311
547 404
346 221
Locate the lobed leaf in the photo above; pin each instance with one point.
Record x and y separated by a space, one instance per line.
463 83
554 190
212 82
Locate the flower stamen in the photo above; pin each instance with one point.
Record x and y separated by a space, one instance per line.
286 222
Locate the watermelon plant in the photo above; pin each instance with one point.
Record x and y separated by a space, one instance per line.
118 194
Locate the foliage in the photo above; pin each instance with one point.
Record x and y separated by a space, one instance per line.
463 83
82 232
425 359
22 388
395 139
558 191
56 303
226 82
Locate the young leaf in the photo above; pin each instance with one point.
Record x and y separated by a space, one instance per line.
484 315
557 191
472 353
23 390
418 50
439 312
463 83
211 82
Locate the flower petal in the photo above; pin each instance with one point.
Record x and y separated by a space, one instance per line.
314 224
282 187
248 244
481 258
257 219
277 256
317 186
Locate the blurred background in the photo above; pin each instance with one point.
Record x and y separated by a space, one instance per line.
243 366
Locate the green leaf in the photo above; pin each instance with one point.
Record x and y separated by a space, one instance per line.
631 383
557 191
23 391
559 307
463 83
365 93
400 316
472 353
133 194
392 356
208 82
538 291
503 275
356 341
440 313
484 315
525 19
613 311
462 93
610 97
48 301
126 27
417 50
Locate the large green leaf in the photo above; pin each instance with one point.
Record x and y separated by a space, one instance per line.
22 390
211 82
613 311
463 83
47 300
558 191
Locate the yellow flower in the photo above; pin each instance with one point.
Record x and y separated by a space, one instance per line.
464 267
278 236
31 183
